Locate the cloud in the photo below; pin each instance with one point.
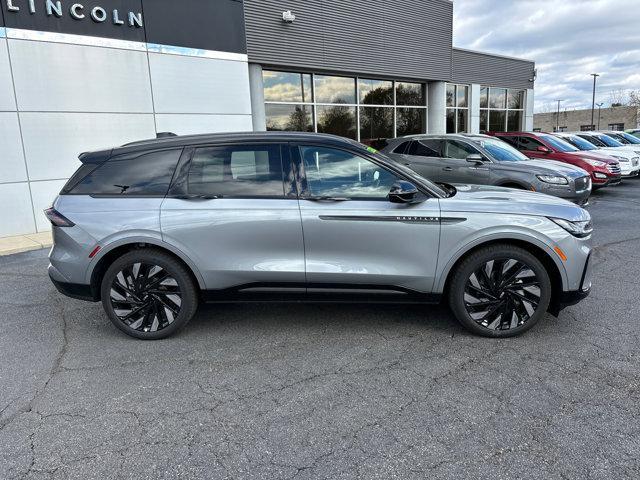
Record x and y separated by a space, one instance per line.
568 41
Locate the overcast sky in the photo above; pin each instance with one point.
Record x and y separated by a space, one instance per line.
568 40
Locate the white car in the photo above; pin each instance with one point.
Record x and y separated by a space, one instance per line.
626 139
601 143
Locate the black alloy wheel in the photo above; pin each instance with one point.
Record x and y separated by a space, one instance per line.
149 294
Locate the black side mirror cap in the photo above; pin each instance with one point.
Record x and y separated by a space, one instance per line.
404 192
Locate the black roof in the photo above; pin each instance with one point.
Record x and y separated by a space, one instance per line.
209 138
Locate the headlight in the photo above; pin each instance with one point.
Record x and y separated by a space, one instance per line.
577 229
621 159
554 179
595 163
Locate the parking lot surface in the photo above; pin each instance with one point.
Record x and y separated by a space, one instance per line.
326 391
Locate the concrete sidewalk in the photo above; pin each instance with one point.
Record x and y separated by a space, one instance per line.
24 243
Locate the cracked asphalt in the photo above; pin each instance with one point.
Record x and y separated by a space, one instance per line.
326 391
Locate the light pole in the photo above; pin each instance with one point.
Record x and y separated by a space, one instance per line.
599 106
593 102
558 115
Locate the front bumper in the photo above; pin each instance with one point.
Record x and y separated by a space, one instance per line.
610 180
567 299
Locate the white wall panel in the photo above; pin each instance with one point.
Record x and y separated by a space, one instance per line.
194 124
7 97
53 141
199 85
12 168
43 195
17 216
62 77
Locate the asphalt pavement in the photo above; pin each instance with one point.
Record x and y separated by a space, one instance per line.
326 391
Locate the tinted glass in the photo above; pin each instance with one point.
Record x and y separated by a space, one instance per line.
451 95
514 99
462 121
580 143
337 119
451 120
148 174
410 121
286 87
402 147
484 97
375 92
296 118
335 89
629 138
336 173
497 120
237 171
497 97
484 120
619 138
411 94
527 143
593 140
608 141
501 151
426 148
459 150
376 123
462 94
513 141
559 145
514 121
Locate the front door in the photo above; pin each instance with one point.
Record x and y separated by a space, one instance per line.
230 214
456 169
353 235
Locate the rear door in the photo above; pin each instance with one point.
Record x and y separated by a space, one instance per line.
425 157
232 210
354 236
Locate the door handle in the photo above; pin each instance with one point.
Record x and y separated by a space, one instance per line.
447 169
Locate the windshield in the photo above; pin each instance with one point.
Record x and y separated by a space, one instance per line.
579 142
629 138
499 150
559 145
608 141
594 140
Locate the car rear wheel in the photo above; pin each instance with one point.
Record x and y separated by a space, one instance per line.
148 294
500 291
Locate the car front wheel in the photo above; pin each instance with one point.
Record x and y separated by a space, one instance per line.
500 291
148 294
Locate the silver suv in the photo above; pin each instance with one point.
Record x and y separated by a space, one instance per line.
485 160
151 228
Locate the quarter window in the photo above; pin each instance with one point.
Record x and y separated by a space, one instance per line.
237 171
336 173
149 174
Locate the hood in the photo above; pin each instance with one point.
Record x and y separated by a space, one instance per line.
621 152
490 199
553 167
594 156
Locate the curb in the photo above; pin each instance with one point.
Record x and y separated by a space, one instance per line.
25 243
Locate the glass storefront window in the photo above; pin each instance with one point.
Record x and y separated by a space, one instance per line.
484 97
376 123
457 108
410 94
451 95
293 118
462 115
335 89
484 120
337 119
497 98
451 120
375 92
287 87
462 94
514 99
501 109
514 121
410 121
497 120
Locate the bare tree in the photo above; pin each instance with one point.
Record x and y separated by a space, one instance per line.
618 98
634 98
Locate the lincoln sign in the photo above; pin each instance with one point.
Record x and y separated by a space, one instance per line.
77 11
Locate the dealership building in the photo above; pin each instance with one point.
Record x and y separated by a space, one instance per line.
82 75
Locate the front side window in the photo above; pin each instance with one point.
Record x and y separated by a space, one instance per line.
336 173
458 150
236 171
149 174
528 143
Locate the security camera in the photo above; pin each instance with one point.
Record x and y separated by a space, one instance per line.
288 17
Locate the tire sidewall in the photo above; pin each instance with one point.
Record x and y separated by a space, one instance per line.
175 269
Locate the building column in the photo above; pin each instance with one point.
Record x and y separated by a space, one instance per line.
474 109
528 112
256 89
437 113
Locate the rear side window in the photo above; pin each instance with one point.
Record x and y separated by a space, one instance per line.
237 171
147 174
426 148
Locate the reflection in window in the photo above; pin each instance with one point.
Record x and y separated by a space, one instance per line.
501 109
484 121
335 89
410 94
376 125
484 97
514 120
497 98
496 120
337 119
292 118
457 108
514 99
335 173
375 92
410 121
286 87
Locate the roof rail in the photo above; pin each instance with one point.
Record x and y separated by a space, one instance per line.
165 134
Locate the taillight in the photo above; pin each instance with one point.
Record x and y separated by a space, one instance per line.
57 219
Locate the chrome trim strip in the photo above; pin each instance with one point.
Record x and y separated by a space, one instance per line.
382 218
196 52
55 37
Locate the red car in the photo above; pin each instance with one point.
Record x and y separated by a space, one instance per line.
604 170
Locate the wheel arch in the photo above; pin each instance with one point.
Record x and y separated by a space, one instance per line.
108 255
511 183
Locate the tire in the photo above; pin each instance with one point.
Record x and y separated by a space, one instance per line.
148 294
500 303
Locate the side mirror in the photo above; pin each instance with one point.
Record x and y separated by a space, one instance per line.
475 158
403 192
543 149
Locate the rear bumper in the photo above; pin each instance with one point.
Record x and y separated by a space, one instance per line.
72 290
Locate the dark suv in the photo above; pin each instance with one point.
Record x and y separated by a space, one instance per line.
604 170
